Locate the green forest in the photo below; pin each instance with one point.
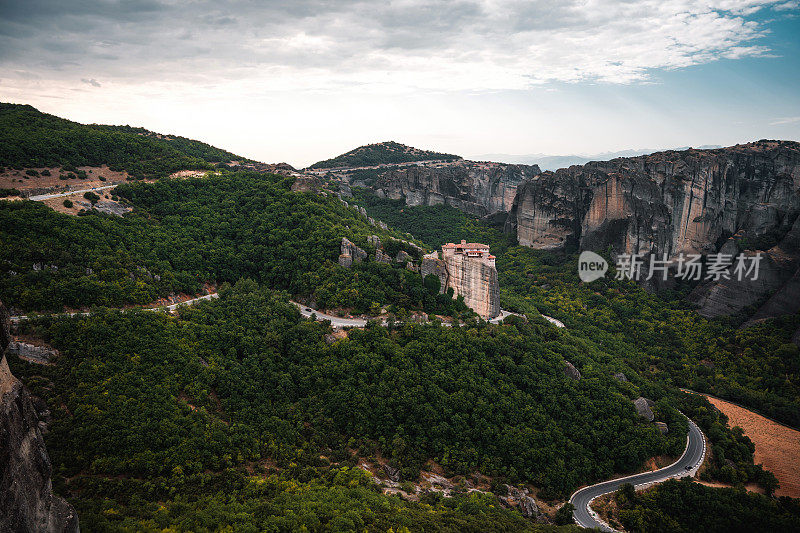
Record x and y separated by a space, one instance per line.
30 138
381 153
187 232
684 506
243 381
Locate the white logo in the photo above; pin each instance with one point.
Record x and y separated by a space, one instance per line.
591 266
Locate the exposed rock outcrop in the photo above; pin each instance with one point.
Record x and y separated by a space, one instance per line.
27 502
479 188
662 427
36 354
431 264
471 273
619 376
382 257
571 372
350 253
306 183
667 202
644 408
670 203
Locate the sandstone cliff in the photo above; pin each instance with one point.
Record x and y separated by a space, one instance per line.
670 203
475 187
469 270
27 503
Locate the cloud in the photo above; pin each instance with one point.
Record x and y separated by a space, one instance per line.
785 120
474 45
93 82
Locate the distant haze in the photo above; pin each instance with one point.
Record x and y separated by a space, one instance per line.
554 162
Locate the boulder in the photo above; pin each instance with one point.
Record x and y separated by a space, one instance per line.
571 372
392 473
643 407
381 257
403 257
527 507
662 427
374 240
350 253
619 376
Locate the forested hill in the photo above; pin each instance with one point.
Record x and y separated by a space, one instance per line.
32 139
382 153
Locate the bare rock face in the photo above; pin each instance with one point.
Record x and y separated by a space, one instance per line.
778 279
471 273
27 502
571 372
403 257
307 183
350 253
668 202
643 407
374 240
37 354
382 257
431 264
468 269
662 427
479 188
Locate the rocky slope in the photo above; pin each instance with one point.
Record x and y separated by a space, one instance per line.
479 188
27 502
691 201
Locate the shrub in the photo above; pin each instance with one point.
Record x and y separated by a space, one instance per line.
45 172
101 178
68 202
31 172
92 197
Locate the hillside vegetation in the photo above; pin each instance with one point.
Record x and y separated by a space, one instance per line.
382 153
187 232
32 139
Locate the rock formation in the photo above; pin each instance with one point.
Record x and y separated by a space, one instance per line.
644 408
571 372
468 269
27 502
350 253
479 188
692 201
667 202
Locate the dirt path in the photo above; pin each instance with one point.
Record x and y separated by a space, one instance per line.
777 446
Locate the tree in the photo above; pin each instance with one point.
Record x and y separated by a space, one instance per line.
564 515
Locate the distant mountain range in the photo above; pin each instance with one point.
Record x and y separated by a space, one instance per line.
554 162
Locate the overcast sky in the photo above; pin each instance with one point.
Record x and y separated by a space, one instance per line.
300 80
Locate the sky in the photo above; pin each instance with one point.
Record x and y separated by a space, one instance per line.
303 80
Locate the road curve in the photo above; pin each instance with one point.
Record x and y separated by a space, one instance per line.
692 458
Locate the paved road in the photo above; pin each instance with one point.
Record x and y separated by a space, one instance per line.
170 307
692 457
68 193
338 322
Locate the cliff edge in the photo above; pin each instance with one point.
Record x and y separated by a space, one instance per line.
27 502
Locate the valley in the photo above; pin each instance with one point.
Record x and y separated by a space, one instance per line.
458 377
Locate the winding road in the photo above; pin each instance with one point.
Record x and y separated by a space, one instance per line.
687 465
